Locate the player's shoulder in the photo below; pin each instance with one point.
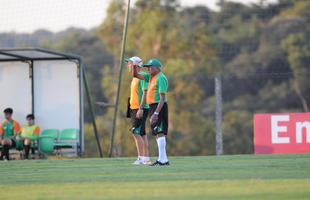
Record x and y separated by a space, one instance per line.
15 122
162 76
4 122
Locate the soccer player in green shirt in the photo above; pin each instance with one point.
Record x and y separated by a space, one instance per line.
157 100
29 133
9 129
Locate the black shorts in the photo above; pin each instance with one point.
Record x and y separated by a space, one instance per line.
138 125
161 126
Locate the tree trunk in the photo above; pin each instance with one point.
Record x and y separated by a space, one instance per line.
301 97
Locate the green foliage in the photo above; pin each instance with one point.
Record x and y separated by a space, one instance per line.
298 49
113 24
250 45
262 52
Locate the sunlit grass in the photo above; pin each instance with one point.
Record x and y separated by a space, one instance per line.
225 177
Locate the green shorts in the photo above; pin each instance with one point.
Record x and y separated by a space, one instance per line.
138 125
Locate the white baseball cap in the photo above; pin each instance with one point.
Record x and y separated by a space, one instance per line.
135 60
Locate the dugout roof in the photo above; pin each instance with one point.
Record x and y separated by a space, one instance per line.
34 54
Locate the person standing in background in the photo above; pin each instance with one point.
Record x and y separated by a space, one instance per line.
138 111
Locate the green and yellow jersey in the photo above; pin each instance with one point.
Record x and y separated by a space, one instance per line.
157 85
9 129
30 131
136 90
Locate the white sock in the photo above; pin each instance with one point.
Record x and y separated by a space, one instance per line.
146 158
162 155
140 157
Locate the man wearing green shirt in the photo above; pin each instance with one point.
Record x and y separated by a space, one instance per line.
157 100
9 129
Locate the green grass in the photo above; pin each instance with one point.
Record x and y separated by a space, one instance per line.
226 177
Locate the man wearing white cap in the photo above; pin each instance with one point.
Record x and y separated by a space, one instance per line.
139 111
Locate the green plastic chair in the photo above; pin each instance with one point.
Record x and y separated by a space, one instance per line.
69 134
54 133
68 139
46 144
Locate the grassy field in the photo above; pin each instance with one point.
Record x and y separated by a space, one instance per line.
226 177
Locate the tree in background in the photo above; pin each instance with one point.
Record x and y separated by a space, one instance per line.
261 51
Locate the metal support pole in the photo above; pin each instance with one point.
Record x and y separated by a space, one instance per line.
218 115
32 85
92 112
81 91
119 77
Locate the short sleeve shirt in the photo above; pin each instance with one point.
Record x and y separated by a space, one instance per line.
136 91
157 85
9 128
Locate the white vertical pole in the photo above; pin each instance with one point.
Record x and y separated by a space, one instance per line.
218 115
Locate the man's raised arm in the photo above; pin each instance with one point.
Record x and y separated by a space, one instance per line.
135 73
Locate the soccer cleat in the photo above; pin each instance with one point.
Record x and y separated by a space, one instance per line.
158 163
138 162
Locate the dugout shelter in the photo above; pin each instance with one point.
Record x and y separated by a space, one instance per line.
46 83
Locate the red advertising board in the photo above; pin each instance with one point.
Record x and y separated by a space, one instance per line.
282 133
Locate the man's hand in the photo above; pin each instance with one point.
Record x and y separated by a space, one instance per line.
139 114
154 118
135 72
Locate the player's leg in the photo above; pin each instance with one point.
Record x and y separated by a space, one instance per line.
2 150
6 145
160 130
136 131
139 146
27 143
133 124
146 157
161 143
